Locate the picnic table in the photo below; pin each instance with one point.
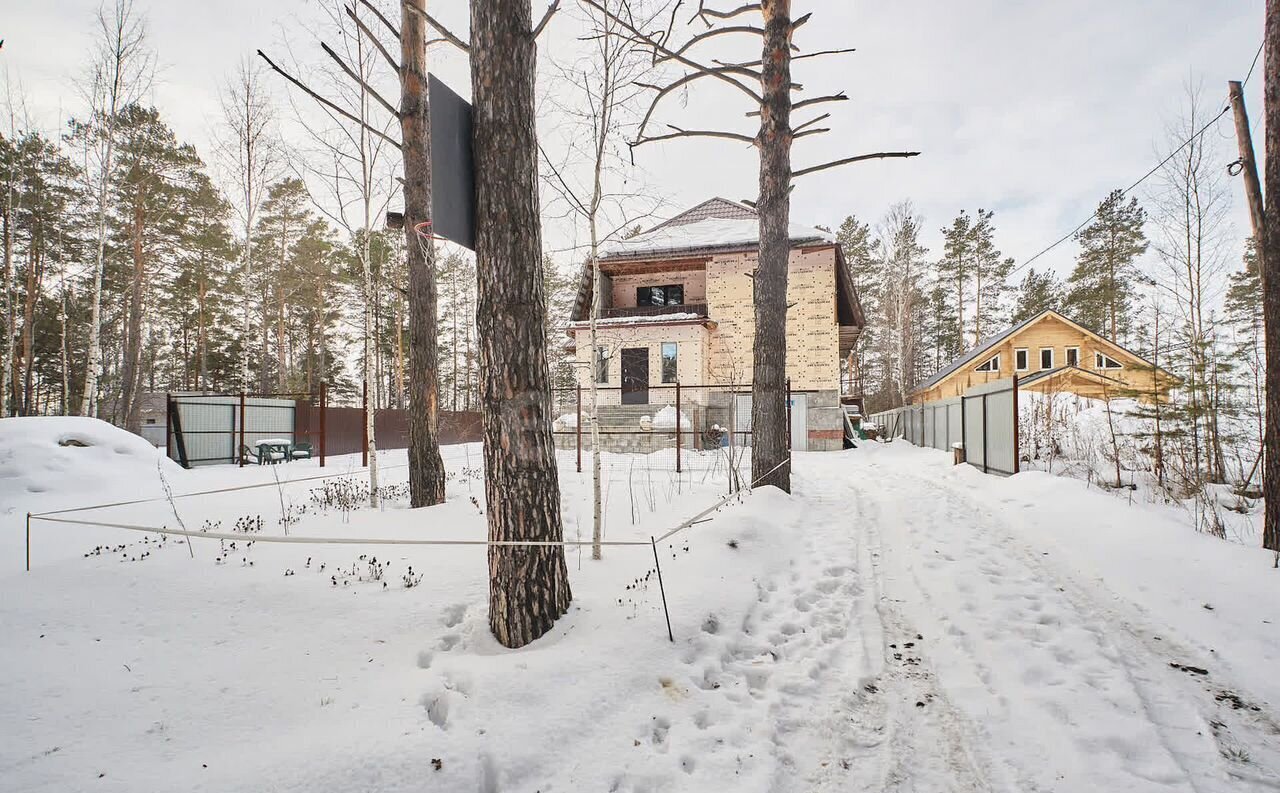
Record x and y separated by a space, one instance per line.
273 450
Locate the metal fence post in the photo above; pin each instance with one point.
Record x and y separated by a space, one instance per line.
168 425
578 428
240 451
324 408
364 424
984 433
679 418
788 414
1016 453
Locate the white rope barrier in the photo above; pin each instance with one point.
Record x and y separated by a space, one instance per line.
294 539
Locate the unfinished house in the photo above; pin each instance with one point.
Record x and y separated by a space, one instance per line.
676 309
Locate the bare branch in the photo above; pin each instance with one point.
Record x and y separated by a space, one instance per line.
795 25
659 47
880 155
348 71
542 23
395 31
704 12
325 102
666 89
444 31
808 132
796 57
811 122
710 34
351 12
694 133
817 100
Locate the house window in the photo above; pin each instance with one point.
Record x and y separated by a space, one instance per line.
1103 362
669 369
1020 360
1073 356
602 365
1046 357
664 295
990 365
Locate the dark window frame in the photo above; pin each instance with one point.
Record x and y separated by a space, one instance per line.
1052 356
602 365
674 358
665 292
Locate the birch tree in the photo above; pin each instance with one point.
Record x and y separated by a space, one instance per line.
605 86
252 155
119 74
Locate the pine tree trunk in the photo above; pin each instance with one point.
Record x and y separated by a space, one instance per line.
769 367
528 585
1270 263
426 469
131 370
9 338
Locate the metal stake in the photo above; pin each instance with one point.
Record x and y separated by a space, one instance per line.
662 589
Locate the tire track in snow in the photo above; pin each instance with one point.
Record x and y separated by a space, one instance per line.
1033 647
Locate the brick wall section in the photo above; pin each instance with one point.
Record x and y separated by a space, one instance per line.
694 281
813 340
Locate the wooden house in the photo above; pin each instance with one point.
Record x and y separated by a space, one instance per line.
676 306
1050 353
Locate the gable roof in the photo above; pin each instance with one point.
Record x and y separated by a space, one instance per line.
719 225
989 344
716 224
1073 371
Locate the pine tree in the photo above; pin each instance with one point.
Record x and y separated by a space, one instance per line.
955 277
1106 271
990 275
1037 292
856 243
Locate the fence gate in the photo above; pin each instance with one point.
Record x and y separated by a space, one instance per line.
984 422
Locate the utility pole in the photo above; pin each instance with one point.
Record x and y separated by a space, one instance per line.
1269 259
1248 167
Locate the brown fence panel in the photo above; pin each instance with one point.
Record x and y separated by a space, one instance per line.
344 428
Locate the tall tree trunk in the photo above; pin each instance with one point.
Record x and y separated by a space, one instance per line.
528 585
10 322
1270 263
201 351
426 469
769 368
131 371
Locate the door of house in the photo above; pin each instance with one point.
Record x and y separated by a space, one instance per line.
799 404
635 376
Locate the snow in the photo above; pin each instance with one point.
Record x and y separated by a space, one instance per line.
45 457
642 319
897 623
709 233
665 419
567 421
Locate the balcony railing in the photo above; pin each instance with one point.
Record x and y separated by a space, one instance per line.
654 311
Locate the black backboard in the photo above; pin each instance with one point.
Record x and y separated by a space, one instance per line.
453 186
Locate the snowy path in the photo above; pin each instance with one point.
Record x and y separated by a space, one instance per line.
1023 678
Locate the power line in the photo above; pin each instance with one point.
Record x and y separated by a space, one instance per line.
1143 178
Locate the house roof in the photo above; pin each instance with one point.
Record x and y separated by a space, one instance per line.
991 342
714 226
1073 371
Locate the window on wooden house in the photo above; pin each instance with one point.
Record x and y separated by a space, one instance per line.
602 365
1020 360
1046 357
669 362
992 364
1104 362
663 295
1073 356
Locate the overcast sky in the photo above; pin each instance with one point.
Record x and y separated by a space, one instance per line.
1035 110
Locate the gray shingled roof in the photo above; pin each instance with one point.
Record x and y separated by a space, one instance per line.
711 208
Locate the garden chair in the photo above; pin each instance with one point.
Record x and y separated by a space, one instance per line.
301 451
249 457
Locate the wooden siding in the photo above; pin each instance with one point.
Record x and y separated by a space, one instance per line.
1050 332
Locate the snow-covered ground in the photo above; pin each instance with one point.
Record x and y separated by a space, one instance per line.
895 624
